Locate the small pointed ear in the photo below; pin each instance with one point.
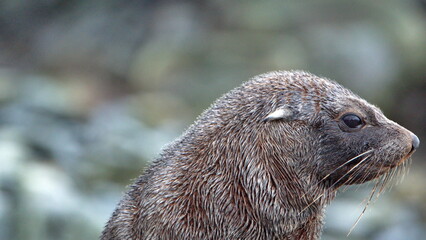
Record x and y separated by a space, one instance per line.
280 113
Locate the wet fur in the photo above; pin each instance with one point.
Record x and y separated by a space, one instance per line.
237 174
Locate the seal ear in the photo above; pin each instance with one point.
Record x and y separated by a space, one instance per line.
281 113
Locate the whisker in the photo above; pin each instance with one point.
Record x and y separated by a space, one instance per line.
350 160
360 171
363 211
350 170
368 170
384 180
381 181
381 184
354 174
393 173
406 169
343 164
410 161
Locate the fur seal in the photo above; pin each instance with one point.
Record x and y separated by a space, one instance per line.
262 163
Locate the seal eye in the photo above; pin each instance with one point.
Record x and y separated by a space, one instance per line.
352 121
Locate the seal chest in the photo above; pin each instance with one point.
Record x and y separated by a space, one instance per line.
262 163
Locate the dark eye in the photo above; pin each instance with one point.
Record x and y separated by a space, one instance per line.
352 121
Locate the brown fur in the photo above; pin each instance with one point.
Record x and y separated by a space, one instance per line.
240 172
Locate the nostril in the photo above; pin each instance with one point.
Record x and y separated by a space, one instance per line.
415 142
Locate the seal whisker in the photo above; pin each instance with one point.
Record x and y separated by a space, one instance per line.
382 180
343 164
353 175
365 208
379 181
350 160
357 173
405 170
392 173
317 198
350 170
402 171
385 179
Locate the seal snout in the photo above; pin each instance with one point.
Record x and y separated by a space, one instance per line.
415 142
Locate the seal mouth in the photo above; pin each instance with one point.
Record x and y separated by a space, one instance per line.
413 149
402 160
365 169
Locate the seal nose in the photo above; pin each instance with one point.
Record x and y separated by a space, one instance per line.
415 143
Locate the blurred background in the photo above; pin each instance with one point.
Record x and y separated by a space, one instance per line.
90 91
